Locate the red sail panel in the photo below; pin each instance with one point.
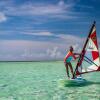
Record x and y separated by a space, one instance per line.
95 55
94 38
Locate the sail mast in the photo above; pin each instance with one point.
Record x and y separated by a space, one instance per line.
83 50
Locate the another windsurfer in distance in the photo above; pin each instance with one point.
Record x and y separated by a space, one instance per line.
67 61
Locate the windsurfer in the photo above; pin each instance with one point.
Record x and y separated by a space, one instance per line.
67 60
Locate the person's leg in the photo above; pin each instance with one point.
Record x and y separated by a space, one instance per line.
67 71
71 68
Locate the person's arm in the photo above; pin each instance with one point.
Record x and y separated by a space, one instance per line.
77 55
64 60
67 55
73 56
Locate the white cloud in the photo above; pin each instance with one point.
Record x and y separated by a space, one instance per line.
40 12
31 9
37 50
46 9
59 10
71 38
40 50
45 33
2 17
26 50
61 3
54 53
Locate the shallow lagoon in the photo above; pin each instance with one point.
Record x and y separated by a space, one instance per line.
40 81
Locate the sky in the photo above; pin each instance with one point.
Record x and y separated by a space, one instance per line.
35 30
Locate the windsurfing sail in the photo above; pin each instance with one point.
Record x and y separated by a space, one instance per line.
89 54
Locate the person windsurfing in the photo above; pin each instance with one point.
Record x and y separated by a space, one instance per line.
67 61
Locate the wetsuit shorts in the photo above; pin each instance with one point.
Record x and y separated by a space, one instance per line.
69 59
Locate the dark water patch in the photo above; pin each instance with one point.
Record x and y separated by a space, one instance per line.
67 83
91 82
3 86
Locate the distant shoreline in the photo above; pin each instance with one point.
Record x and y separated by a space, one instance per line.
34 61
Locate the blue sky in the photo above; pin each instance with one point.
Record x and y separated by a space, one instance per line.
44 29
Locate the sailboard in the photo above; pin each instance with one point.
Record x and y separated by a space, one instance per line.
89 54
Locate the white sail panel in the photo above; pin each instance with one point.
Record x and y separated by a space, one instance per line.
91 46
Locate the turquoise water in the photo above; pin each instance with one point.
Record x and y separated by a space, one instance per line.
40 81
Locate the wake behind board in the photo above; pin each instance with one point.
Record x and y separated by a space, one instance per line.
79 81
